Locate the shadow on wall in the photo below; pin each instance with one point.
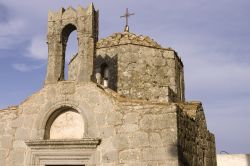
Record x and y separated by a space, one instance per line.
173 153
107 68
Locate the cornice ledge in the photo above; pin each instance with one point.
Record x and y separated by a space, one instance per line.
84 143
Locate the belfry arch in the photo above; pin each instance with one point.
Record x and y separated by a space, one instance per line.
60 25
66 33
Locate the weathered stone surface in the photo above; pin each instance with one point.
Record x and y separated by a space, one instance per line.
18 122
157 122
131 118
61 24
155 139
114 118
169 136
107 132
157 154
122 105
120 142
111 156
6 142
138 139
18 156
140 71
197 144
128 128
130 155
22 134
127 38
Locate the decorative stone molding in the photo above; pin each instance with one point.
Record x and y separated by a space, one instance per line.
49 109
61 152
127 38
85 143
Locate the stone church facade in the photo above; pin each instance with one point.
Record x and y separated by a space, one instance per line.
123 104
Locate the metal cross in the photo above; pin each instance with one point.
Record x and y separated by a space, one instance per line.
127 15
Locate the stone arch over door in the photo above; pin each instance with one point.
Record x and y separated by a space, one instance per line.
87 114
81 151
65 123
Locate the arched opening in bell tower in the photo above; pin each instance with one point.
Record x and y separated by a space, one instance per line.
105 74
70 47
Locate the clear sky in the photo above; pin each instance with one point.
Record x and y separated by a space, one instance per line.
212 37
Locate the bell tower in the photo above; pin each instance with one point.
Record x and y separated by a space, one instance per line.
60 25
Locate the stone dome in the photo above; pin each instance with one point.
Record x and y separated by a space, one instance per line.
127 38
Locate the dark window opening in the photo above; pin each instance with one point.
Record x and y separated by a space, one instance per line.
105 75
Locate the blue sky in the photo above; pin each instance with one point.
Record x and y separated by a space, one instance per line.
211 36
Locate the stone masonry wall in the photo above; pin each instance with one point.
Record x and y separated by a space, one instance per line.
7 136
131 132
138 119
144 72
147 135
196 143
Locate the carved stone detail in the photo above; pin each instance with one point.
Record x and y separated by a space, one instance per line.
54 152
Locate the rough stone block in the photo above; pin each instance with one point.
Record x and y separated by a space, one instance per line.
18 122
155 140
6 142
19 144
28 122
129 155
169 136
120 141
114 118
17 156
169 54
157 122
131 118
110 156
3 154
128 128
107 132
157 154
138 139
101 119
22 134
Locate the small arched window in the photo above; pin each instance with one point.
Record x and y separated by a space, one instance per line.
105 74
